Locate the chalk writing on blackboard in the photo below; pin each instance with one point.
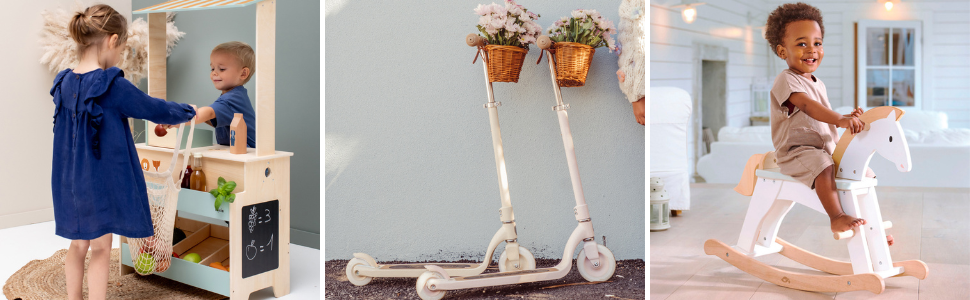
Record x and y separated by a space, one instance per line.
251 250
252 219
260 242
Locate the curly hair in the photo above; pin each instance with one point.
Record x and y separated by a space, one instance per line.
779 19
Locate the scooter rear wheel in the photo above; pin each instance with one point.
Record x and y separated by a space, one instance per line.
605 270
358 280
424 291
526 261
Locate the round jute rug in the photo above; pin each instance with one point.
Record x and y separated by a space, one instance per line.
44 279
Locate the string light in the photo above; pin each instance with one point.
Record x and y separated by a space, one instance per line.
689 14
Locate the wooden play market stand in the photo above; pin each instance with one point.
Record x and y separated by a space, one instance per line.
251 235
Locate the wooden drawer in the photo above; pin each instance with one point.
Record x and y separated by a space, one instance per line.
211 242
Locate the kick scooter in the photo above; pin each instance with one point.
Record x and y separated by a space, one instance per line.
362 268
595 262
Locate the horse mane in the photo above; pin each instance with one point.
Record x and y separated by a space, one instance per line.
867 117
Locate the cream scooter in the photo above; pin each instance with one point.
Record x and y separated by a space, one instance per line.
362 268
595 262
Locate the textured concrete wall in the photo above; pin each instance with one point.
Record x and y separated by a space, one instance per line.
410 173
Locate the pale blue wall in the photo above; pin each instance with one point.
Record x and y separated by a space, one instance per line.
410 173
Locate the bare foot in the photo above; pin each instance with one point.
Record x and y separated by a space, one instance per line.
845 222
889 238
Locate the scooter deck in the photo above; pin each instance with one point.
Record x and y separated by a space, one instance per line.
505 274
420 266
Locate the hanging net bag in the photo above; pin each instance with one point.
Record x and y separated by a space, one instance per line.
154 253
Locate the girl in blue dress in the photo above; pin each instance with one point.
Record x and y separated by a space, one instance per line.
97 183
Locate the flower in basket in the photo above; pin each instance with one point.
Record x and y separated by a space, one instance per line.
587 27
508 25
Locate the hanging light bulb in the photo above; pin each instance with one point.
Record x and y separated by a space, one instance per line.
689 14
889 5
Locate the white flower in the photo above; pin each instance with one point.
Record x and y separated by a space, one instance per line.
484 20
496 24
482 10
500 10
577 14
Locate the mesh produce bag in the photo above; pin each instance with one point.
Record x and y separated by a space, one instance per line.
154 253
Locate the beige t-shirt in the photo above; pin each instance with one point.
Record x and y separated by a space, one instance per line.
803 145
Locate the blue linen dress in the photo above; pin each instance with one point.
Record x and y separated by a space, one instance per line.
96 178
232 102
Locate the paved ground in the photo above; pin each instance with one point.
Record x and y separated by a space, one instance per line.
627 283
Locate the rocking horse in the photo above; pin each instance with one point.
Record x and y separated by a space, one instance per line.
774 194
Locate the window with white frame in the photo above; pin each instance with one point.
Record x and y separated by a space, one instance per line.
888 70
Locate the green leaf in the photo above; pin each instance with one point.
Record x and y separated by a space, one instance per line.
231 198
214 192
230 186
221 181
219 201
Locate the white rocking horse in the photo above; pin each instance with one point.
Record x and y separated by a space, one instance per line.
774 194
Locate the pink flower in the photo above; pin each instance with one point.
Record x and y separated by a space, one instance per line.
482 10
497 23
500 10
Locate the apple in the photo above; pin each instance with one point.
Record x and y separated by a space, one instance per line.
163 265
193 257
160 131
145 264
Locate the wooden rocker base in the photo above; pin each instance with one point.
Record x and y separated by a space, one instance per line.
915 268
841 282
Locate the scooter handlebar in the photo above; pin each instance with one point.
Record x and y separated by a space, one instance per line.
474 40
544 42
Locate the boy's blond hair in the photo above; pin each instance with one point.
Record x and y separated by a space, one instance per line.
243 53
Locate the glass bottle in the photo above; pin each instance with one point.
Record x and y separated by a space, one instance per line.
187 177
197 181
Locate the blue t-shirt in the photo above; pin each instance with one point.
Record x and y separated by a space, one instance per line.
234 101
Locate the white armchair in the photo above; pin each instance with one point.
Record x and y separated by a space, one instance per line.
670 110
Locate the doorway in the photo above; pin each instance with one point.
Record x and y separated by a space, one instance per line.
713 99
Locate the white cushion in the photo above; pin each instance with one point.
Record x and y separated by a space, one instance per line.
920 120
752 134
949 136
915 120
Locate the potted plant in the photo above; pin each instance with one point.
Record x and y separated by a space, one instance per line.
575 40
508 30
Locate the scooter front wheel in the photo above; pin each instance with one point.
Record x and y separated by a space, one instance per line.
603 272
352 275
424 291
526 261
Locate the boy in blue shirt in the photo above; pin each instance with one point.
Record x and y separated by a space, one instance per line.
232 64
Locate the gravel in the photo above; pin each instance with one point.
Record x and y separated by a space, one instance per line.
627 283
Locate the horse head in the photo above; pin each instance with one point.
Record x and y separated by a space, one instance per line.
882 134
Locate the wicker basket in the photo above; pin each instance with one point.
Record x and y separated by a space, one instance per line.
572 63
504 63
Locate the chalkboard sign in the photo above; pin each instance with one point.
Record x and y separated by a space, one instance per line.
260 238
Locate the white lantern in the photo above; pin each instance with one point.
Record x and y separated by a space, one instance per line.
659 205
